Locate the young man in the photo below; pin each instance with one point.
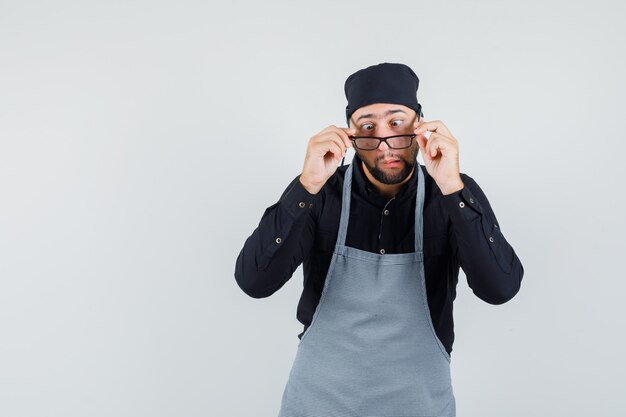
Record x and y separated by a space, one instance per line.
382 241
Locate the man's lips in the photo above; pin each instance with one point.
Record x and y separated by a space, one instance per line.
390 162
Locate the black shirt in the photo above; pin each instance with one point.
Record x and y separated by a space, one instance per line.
460 230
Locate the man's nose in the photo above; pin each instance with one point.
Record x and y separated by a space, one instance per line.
383 146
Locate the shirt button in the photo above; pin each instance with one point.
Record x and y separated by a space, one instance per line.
278 240
495 225
461 204
491 239
382 251
301 204
472 200
386 212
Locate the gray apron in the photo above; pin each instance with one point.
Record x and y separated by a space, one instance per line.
371 348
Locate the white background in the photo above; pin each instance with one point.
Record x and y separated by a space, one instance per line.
141 141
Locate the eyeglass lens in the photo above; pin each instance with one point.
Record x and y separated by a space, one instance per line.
398 142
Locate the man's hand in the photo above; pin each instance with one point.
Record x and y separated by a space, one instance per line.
441 155
323 153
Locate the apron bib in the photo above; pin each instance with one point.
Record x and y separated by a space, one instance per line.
371 348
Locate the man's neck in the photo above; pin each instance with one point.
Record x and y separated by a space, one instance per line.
386 190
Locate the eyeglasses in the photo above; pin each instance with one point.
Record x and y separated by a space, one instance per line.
369 143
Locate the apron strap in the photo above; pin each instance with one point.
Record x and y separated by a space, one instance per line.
419 205
345 206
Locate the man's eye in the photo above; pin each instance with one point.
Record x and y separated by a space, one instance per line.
397 120
366 126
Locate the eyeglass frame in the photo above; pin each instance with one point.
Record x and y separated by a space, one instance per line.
382 139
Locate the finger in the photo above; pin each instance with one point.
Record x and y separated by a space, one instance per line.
439 143
336 150
433 126
431 146
321 145
336 138
434 149
422 142
332 136
344 135
339 131
350 131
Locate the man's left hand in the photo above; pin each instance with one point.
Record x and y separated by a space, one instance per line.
441 155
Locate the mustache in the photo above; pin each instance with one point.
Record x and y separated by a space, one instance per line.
389 156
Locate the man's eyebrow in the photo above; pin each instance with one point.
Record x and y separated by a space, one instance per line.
386 114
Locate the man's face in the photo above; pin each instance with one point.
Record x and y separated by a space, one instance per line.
384 119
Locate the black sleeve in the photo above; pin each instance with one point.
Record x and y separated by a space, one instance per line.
279 244
493 270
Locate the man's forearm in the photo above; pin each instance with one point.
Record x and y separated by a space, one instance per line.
278 245
493 270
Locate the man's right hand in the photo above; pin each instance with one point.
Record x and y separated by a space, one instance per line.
323 153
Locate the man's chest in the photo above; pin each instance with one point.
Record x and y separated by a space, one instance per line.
385 228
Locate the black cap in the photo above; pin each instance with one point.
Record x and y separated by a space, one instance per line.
382 83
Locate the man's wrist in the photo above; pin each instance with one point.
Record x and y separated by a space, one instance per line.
311 189
451 188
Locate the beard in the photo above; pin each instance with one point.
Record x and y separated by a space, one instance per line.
392 176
